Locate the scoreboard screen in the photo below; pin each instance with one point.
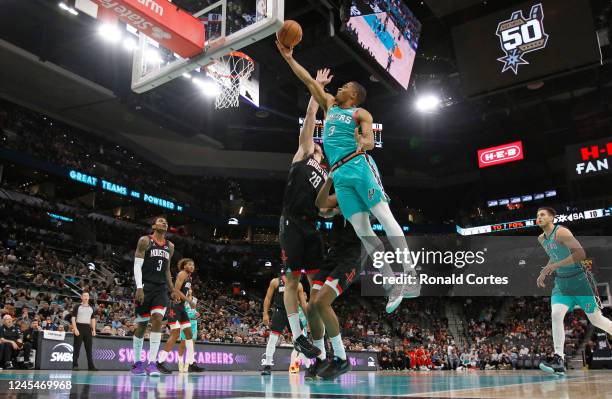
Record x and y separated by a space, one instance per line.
318 132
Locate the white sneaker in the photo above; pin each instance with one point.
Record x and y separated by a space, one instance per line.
395 298
401 292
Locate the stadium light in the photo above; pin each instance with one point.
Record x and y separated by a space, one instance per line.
153 57
427 103
65 7
208 87
129 44
110 32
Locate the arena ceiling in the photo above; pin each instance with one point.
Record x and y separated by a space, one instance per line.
416 146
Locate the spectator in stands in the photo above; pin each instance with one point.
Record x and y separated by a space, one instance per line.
48 324
29 340
11 257
44 310
25 315
10 342
38 280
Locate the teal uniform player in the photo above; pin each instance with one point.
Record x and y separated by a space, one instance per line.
572 285
194 322
357 183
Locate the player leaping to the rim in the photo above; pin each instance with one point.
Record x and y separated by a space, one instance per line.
359 191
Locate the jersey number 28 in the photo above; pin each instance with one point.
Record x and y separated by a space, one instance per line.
315 180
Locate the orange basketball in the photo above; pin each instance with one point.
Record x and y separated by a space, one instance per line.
290 34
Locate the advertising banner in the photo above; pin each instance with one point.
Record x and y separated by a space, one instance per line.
115 353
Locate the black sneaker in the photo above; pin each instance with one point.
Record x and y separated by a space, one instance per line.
315 368
75 368
267 370
163 369
557 365
92 369
303 345
9 366
194 368
335 369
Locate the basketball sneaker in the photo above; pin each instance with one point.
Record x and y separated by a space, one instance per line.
163 369
267 370
194 368
152 370
295 367
303 345
557 365
400 292
335 369
138 368
315 368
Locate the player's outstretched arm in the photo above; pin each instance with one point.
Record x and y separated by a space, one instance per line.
306 144
324 99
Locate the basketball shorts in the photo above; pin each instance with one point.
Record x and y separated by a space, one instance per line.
194 331
155 301
575 291
301 246
338 278
358 186
177 316
280 321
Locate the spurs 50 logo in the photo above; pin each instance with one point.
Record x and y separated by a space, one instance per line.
519 36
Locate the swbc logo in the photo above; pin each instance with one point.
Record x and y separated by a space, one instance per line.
371 362
519 36
62 353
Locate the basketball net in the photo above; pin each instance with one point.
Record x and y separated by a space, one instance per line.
227 72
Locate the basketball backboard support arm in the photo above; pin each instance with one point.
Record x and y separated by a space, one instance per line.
145 79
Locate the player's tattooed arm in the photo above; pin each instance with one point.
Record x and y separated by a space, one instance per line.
324 99
141 248
364 134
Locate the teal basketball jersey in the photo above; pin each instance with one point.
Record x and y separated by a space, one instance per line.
339 133
557 252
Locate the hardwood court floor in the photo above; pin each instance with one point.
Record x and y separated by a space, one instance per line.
434 384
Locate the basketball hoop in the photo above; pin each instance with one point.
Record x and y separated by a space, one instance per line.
227 72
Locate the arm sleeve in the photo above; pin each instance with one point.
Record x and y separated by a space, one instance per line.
138 271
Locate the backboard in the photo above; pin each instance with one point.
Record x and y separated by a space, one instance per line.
229 26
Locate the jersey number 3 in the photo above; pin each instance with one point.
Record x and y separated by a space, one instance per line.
161 264
315 180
